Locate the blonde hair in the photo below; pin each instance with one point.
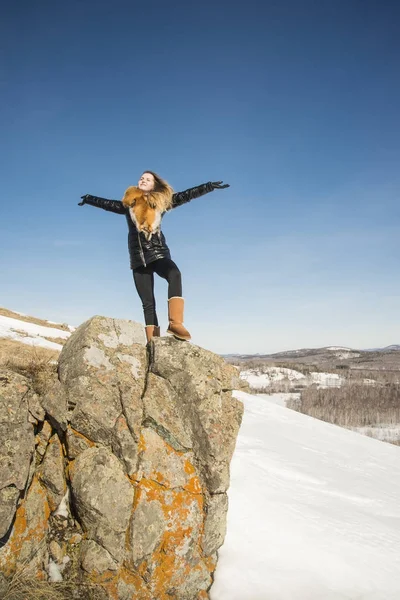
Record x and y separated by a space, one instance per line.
161 196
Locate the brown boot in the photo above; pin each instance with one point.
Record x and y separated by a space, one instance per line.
150 332
156 332
175 317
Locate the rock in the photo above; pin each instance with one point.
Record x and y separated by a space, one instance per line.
201 385
51 473
26 546
103 498
54 403
134 454
162 413
76 443
103 368
57 553
42 438
35 408
215 523
17 443
75 539
147 529
95 559
8 501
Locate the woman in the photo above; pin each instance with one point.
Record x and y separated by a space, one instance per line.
144 207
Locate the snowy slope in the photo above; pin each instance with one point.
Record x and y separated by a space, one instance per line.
30 333
314 512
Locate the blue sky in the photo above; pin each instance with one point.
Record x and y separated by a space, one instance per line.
295 104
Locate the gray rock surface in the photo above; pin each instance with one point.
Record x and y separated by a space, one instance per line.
102 497
17 443
51 472
102 367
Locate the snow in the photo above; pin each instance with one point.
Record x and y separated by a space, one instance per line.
54 572
30 333
259 379
339 348
62 509
266 376
55 569
281 398
314 512
326 380
350 354
70 327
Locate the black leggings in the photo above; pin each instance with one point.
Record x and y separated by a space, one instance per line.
144 282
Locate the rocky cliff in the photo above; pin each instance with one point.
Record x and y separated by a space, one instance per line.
117 475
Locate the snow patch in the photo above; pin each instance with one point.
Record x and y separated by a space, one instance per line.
54 572
62 510
338 348
30 333
260 378
265 376
344 355
327 380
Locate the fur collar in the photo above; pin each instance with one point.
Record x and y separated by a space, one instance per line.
145 209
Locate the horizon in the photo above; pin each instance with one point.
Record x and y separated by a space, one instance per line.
295 106
225 354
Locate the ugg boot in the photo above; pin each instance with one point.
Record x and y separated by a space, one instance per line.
175 317
151 332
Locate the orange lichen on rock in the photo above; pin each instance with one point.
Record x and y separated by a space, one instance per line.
141 444
112 582
29 530
211 562
101 578
136 583
176 555
89 442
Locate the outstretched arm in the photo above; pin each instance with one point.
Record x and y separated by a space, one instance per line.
114 206
183 197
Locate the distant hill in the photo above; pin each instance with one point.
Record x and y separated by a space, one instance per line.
332 357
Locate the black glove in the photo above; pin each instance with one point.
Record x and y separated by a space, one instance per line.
84 198
218 185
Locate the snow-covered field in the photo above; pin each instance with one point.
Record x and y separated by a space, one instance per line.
314 511
31 333
267 376
281 398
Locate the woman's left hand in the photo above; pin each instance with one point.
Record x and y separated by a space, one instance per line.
219 185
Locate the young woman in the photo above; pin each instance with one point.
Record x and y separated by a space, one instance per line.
144 207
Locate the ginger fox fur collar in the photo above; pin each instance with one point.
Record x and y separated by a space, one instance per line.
146 208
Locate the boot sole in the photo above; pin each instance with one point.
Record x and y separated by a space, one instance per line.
178 337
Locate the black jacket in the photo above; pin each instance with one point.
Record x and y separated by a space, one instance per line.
143 251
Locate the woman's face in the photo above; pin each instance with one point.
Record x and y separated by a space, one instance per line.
146 182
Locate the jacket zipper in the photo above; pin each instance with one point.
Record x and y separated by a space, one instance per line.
141 250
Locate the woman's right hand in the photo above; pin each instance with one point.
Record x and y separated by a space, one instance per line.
83 199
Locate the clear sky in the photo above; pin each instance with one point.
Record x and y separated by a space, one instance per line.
295 104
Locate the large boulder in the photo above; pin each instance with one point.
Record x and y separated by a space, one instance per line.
127 486
17 443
